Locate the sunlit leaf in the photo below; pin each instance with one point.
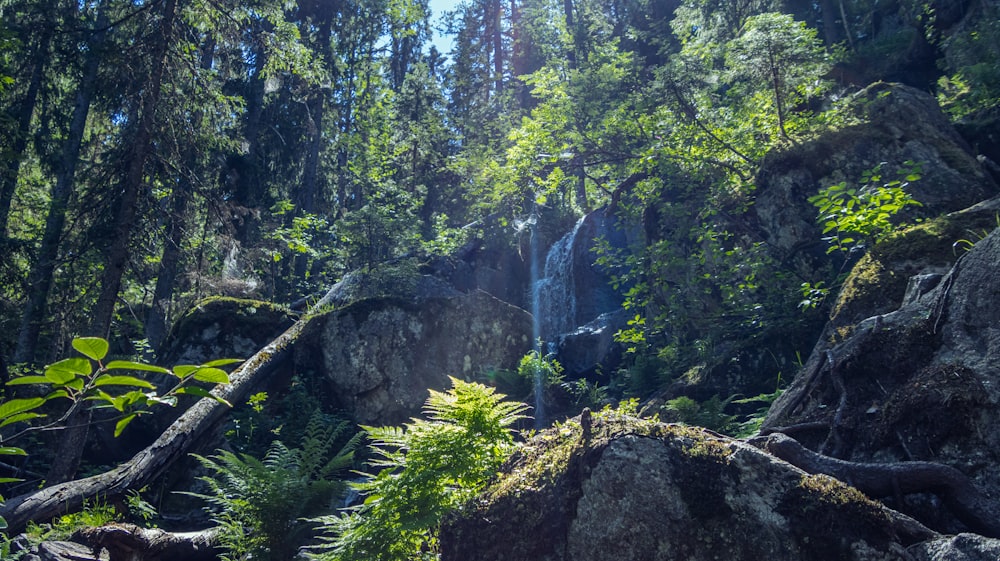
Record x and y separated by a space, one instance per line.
15 406
211 375
129 365
91 347
68 369
12 451
223 362
23 380
19 417
120 425
202 392
123 381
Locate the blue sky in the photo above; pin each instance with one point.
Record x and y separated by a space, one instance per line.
437 8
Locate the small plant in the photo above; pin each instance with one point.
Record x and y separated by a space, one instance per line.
427 468
88 379
259 504
856 218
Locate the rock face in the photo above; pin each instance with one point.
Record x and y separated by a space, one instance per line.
381 355
636 490
920 383
898 124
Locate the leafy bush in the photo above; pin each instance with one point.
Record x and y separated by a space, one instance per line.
260 504
856 218
428 468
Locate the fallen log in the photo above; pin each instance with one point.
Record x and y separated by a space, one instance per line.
955 489
128 542
173 444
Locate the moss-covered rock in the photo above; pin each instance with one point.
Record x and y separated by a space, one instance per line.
894 124
223 327
878 281
634 490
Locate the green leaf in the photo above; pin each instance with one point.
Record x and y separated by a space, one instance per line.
67 369
24 380
12 451
202 392
123 381
27 416
15 406
91 347
211 375
129 365
184 370
223 362
120 425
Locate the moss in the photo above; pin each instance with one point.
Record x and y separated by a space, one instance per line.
845 514
877 282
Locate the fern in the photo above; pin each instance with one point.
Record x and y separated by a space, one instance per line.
259 504
427 468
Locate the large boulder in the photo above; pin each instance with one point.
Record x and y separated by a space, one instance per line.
894 124
614 487
223 327
921 383
381 355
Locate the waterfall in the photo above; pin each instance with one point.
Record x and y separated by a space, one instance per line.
553 302
554 293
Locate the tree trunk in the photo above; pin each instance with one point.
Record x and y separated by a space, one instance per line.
156 319
116 257
8 181
127 542
175 442
44 268
496 15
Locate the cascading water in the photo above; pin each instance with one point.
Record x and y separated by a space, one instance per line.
554 294
553 302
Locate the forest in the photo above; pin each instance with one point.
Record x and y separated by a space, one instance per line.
294 171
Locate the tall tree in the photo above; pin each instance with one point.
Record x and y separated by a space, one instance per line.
42 273
117 253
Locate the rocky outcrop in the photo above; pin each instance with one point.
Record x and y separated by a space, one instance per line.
381 355
616 487
895 124
921 383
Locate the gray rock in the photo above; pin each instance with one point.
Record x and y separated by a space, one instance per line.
381 355
963 547
895 123
921 383
636 490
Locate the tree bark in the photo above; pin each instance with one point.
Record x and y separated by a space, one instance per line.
175 442
45 264
163 293
127 542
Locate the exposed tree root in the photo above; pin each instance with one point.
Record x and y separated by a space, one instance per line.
954 488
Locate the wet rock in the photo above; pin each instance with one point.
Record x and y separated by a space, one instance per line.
592 347
631 489
381 355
